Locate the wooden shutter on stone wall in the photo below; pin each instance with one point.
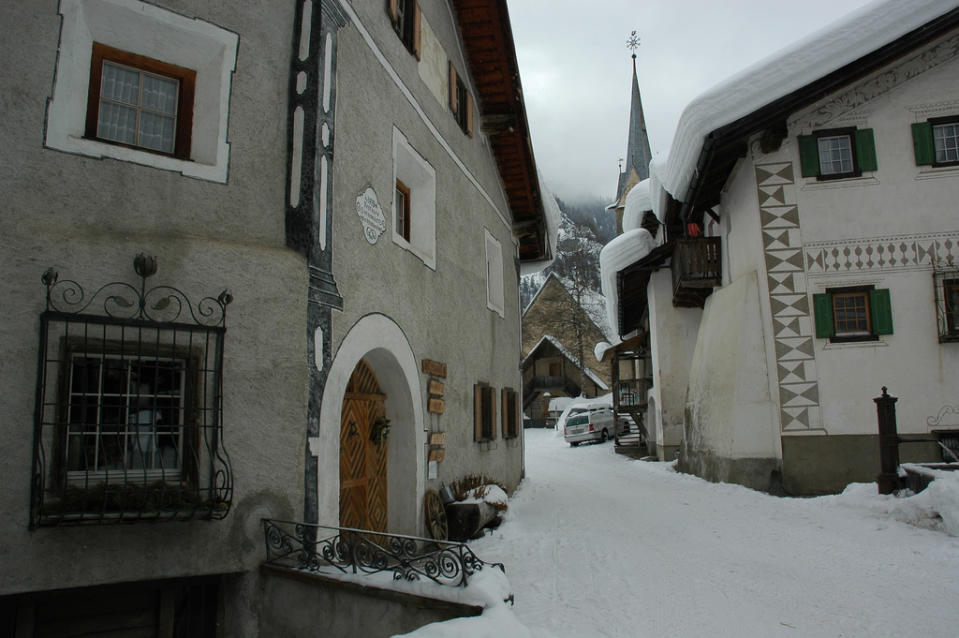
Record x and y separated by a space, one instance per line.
822 307
809 155
865 144
453 95
880 307
922 143
417 24
477 412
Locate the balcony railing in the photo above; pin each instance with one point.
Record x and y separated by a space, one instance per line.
697 268
318 548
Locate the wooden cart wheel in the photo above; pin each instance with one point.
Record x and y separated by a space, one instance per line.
436 516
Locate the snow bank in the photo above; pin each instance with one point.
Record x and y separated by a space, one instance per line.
935 508
803 62
622 251
497 620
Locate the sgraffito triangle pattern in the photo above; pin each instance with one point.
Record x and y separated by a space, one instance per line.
786 265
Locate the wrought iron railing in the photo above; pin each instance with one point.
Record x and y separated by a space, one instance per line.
319 548
128 424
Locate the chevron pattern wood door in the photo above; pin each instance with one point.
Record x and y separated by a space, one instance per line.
364 502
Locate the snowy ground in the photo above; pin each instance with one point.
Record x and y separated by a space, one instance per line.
599 545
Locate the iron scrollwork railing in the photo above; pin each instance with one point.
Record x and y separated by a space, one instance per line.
128 423
317 548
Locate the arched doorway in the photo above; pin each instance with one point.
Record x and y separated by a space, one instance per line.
364 502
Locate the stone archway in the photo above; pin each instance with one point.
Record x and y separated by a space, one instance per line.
379 342
364 489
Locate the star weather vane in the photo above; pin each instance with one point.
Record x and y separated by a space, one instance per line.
632 43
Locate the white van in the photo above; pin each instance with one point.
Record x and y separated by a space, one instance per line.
591 424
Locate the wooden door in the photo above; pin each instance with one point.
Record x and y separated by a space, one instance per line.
363 466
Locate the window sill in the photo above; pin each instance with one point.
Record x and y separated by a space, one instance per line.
937 172
498 310
872 343
814 184
100 150
488 445
428 260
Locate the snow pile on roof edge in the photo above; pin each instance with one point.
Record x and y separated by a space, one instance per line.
622 251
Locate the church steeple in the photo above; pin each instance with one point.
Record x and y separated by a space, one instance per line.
638 154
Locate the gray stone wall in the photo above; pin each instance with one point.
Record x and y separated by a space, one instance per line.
442 311
88 218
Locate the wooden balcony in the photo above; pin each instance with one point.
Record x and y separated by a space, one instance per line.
697 269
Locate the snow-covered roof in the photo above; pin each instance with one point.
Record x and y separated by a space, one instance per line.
552 217
797 65
637 203
569 355
622 251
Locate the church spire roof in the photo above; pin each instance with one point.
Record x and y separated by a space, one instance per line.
638 154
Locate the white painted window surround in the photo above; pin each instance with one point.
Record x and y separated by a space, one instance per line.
148 30
417 175
494 275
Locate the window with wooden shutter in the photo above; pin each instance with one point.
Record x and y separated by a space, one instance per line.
837 153
407 20
461 101
936 141
484 412
857 313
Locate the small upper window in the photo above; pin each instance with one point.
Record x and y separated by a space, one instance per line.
461 102
945 138
140 102
837 153
402 210
936 141
414 201
406 18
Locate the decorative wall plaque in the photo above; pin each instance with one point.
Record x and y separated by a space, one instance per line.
371 215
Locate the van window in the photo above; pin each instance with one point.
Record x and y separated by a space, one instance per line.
579 419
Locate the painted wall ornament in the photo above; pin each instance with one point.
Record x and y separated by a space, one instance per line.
371 215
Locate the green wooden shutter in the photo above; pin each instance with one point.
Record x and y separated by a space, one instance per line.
822 307
866 150
809 155
881 310
922 143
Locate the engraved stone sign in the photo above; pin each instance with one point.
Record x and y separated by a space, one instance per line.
371 215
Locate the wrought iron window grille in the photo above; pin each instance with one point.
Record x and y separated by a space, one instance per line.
128 422
319 548
946 284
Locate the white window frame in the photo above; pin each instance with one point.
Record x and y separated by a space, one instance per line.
495 287
410 168
148 30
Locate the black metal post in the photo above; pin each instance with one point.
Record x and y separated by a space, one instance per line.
888 479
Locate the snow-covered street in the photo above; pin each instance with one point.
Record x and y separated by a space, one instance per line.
596 544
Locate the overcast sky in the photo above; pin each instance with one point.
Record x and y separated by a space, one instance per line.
576 70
